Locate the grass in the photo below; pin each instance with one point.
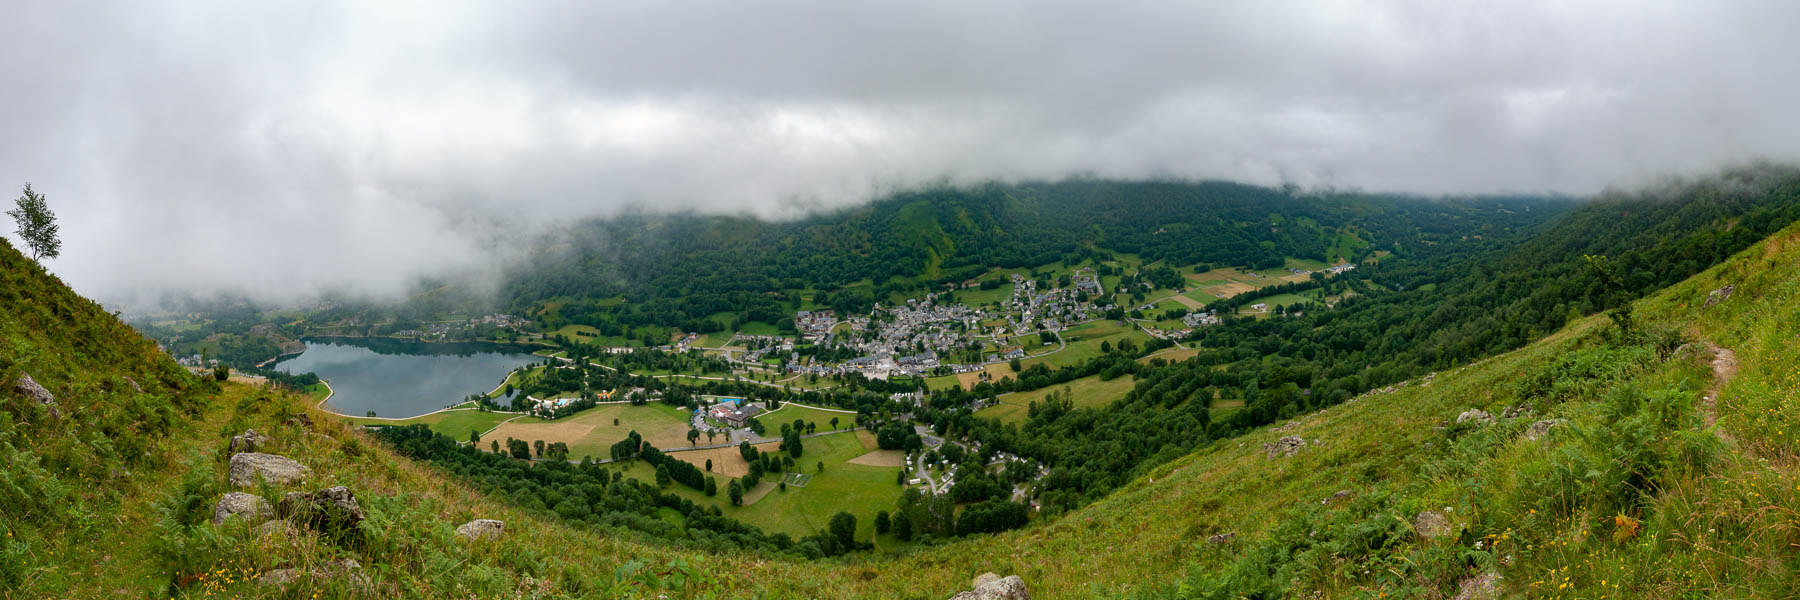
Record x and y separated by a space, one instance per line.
453 423
981 297
1086 392
758 328
788 412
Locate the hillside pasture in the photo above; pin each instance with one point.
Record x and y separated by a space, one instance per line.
592 433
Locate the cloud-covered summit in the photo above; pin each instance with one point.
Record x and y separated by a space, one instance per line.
280 149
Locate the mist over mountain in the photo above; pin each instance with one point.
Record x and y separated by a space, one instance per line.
282 153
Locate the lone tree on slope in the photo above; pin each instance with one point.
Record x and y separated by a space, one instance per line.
37 225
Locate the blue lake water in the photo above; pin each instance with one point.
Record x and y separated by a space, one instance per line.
400 378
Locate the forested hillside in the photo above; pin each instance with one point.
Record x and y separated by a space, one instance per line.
676 271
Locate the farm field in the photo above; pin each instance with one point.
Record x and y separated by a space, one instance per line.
592 433
1087 392
859 489
981 297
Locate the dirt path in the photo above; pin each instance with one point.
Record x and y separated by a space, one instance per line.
1725 368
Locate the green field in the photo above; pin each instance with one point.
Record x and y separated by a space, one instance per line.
454 423
981 297
788 412
941 383
860 490
1084 343
758 328
1086 392
1303 263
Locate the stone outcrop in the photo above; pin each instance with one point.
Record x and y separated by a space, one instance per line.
248 441
1485 586
1476 417
248 467
1538 429
989 586
1431 524
30 388
481 529
1286 446
241 505
347 569
331 510
1719 295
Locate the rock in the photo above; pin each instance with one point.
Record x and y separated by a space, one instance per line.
985 578
1485 586
330 510
1431 524
481 529
1340 495
1286 446
239 504
247 441
1513 412
301 419
1538 429
1475 416
997 588
248 467
346 569
1222 538
1719 295
30 388
134 384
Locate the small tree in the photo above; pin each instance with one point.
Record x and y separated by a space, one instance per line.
693 437
539 445
709 464
221 372
821 466
712 487
834 422
902 526
736 492
881 522
843 527
662 475
37 225
474 437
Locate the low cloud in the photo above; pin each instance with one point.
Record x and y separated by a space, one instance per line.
280 152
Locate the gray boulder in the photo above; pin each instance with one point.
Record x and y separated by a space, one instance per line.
481 529
30 389
1475 416
1431 524
1538 429
989 586
1485 586
330 510
248 441
238 504
1222 538
1719 295
1286 446
248 467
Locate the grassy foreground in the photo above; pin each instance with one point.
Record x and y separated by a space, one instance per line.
1634 495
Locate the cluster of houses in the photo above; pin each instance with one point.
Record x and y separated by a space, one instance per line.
814 325
733 412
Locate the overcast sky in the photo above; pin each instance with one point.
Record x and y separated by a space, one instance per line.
279 149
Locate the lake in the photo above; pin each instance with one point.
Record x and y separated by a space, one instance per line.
397 378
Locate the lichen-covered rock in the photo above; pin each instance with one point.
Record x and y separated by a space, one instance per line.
1485 586
1222 538
241 505
248 467
248 441
1431 524
1719 295
1538 429
1286 446
991 587
330 510
481 529
30 388
1476 417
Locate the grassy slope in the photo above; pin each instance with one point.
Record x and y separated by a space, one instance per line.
1086 392
1711 519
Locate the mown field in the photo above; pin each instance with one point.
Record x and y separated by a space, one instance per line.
454 423
592 432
